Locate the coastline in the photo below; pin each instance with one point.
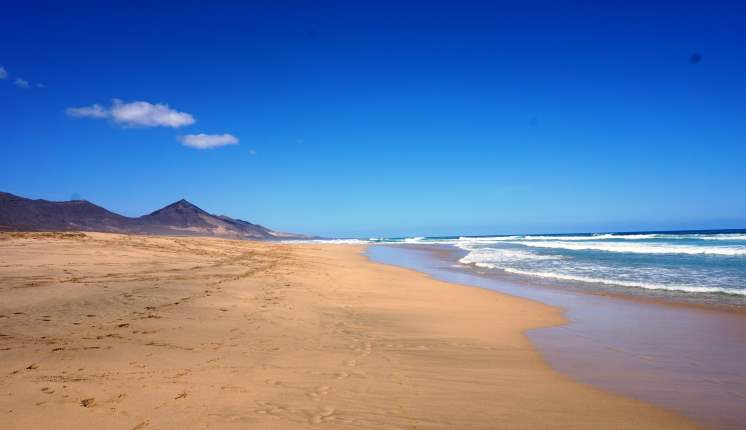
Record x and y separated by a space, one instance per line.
667 299
135 332
703 267
682 356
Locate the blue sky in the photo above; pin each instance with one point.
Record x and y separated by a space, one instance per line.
383 118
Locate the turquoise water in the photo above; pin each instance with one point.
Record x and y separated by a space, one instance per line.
692 263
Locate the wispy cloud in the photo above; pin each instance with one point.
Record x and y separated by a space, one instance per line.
18 81
144 114
135 114
206 141
93 111
21 83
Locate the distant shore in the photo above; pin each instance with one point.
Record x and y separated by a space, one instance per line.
113 331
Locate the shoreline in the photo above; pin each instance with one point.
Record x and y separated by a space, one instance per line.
154 332
639 295
702 268
674 359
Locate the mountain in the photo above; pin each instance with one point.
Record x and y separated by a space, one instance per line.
184 218
20 214
178 219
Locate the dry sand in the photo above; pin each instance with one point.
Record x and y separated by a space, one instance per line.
128 332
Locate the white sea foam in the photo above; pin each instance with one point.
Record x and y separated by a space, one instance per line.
422 241
608 236
645 285
465 241
599 236
617 236
668 236
488 239
637 248
722 236
492 258
493 239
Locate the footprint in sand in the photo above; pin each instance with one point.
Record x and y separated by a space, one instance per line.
268 408
319 392
323 415
142 425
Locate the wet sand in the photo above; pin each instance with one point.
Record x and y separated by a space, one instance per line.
131 332
683 357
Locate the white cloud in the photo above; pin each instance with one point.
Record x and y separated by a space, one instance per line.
21 83
94 111
252 152
144 114
135 114
3 73
205 141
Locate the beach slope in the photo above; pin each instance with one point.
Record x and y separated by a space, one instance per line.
132 332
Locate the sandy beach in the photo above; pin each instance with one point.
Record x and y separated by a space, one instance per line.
133 332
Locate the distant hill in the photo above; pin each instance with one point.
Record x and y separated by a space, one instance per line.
178 219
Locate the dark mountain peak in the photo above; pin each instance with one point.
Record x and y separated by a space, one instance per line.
182 206
79 203
180 214
180 218
183 203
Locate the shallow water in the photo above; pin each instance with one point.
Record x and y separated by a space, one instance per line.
689 360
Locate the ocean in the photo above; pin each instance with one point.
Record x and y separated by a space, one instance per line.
709 265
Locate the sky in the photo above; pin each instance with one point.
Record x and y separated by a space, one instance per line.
359 119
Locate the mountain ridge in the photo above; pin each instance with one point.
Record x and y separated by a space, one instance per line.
181 218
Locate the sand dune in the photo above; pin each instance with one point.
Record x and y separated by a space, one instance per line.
133 332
